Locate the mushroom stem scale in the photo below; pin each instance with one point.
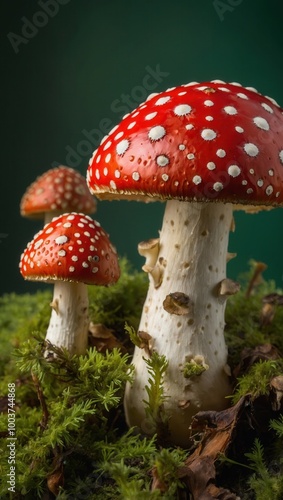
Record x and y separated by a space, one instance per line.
68 326
192 255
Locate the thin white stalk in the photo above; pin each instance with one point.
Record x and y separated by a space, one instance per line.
69 322
192 260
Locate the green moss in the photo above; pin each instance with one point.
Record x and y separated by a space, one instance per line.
195 367
244 327
256 381
120 303
20 315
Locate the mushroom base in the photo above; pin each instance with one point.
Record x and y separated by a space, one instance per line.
184 315
68 326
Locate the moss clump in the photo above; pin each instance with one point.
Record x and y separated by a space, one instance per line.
121 302
256 381
244 325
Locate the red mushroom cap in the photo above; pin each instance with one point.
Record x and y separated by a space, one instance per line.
209 141
59 189
72 247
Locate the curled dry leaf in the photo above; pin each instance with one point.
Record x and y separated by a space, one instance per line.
103 339
218 431
250 356
276 394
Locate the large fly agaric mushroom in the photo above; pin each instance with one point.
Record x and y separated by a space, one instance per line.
72 251
61 189
205 148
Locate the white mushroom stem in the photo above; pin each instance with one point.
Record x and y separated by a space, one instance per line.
193 252
69 322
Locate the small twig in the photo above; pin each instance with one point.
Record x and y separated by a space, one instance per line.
40 395
256 277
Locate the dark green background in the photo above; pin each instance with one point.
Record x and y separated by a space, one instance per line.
72 74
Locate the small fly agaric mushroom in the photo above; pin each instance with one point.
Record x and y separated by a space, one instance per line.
72 251
204 148
61 189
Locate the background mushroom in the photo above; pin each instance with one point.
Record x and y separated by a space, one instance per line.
204 147
61 189
72 251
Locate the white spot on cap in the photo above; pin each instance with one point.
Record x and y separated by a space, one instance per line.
135 176
242 96
272 100
182 93
49 230
239 129
230 110
162 100
234 170
113 185
281 156
150 116
208 102
62 253
224 89
98 159
97 174
260 183
251 149
67 224
113 129
85 264
182 109
38 244
93 156
117 174
197 179
105 171
156 133
211 165
94 270
208 134
209 118
150 96
190 156
107 145
221 153
122 147
218 186
75 258
261 123
61 239
104 139
189 126
131 125
71 269
108 158
271 172
162 160
165 177
119 135
250 191
182 147
267 107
